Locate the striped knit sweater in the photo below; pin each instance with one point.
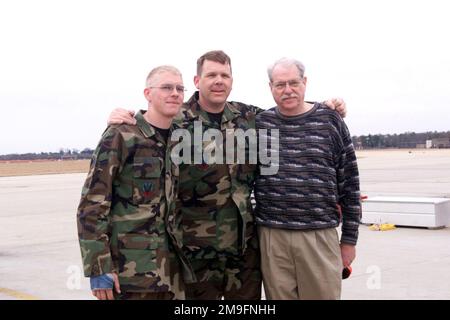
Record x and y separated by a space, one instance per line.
317 171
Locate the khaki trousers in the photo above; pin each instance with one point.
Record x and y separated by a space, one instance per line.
300 264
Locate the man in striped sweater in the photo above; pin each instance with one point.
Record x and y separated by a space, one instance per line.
315 189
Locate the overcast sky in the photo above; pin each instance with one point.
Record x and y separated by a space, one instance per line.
64 65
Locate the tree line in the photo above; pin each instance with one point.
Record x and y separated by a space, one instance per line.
371 141
63 154
402 140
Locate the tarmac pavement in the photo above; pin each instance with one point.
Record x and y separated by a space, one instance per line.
40 257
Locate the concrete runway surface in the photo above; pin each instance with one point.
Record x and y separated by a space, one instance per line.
40 257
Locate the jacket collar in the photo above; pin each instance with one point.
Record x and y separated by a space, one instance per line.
193 111
147 129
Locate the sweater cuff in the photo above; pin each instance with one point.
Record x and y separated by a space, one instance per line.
349 240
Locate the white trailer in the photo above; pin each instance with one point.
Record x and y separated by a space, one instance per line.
407 211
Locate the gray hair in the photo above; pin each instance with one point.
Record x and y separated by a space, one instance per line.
286 62
158 70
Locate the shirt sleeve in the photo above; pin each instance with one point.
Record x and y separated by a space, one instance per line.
93 214
257 110
348 187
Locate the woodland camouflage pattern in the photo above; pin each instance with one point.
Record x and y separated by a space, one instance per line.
219 233
126 218
214 199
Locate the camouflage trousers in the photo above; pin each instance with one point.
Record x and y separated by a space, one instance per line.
144 296
232 277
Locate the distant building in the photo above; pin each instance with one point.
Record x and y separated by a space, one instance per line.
68 157
358 145
420 146
441 143
429 144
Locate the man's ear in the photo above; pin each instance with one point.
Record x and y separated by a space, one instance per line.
305 80
147 94
196 81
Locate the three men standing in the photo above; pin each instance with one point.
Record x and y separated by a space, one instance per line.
213 205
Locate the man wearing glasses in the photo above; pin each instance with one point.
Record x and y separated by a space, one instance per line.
297 209
214 199
129 234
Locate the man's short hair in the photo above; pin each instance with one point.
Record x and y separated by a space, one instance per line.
216 56
158 70
286 62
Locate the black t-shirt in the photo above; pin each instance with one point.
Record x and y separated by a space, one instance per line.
216 118
163 132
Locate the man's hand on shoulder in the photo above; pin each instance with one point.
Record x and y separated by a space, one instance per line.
337 104
120 116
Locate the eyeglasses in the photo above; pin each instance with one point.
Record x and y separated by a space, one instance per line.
168 88
294 84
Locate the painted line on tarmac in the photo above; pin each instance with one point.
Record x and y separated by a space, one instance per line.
17 294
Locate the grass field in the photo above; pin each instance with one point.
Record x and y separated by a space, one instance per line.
26 168
380 158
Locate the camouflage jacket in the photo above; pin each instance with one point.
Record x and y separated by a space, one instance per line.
126 218
214 199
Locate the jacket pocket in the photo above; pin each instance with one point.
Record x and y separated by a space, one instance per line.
137 253
146 180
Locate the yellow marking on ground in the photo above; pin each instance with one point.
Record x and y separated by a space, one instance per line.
17 294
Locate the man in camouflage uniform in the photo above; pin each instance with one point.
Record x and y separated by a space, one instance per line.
214 199
128 229
217 216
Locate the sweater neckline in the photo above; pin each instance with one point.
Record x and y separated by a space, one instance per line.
297 117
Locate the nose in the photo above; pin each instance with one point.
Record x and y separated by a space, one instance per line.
175 92
288 88
218 80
